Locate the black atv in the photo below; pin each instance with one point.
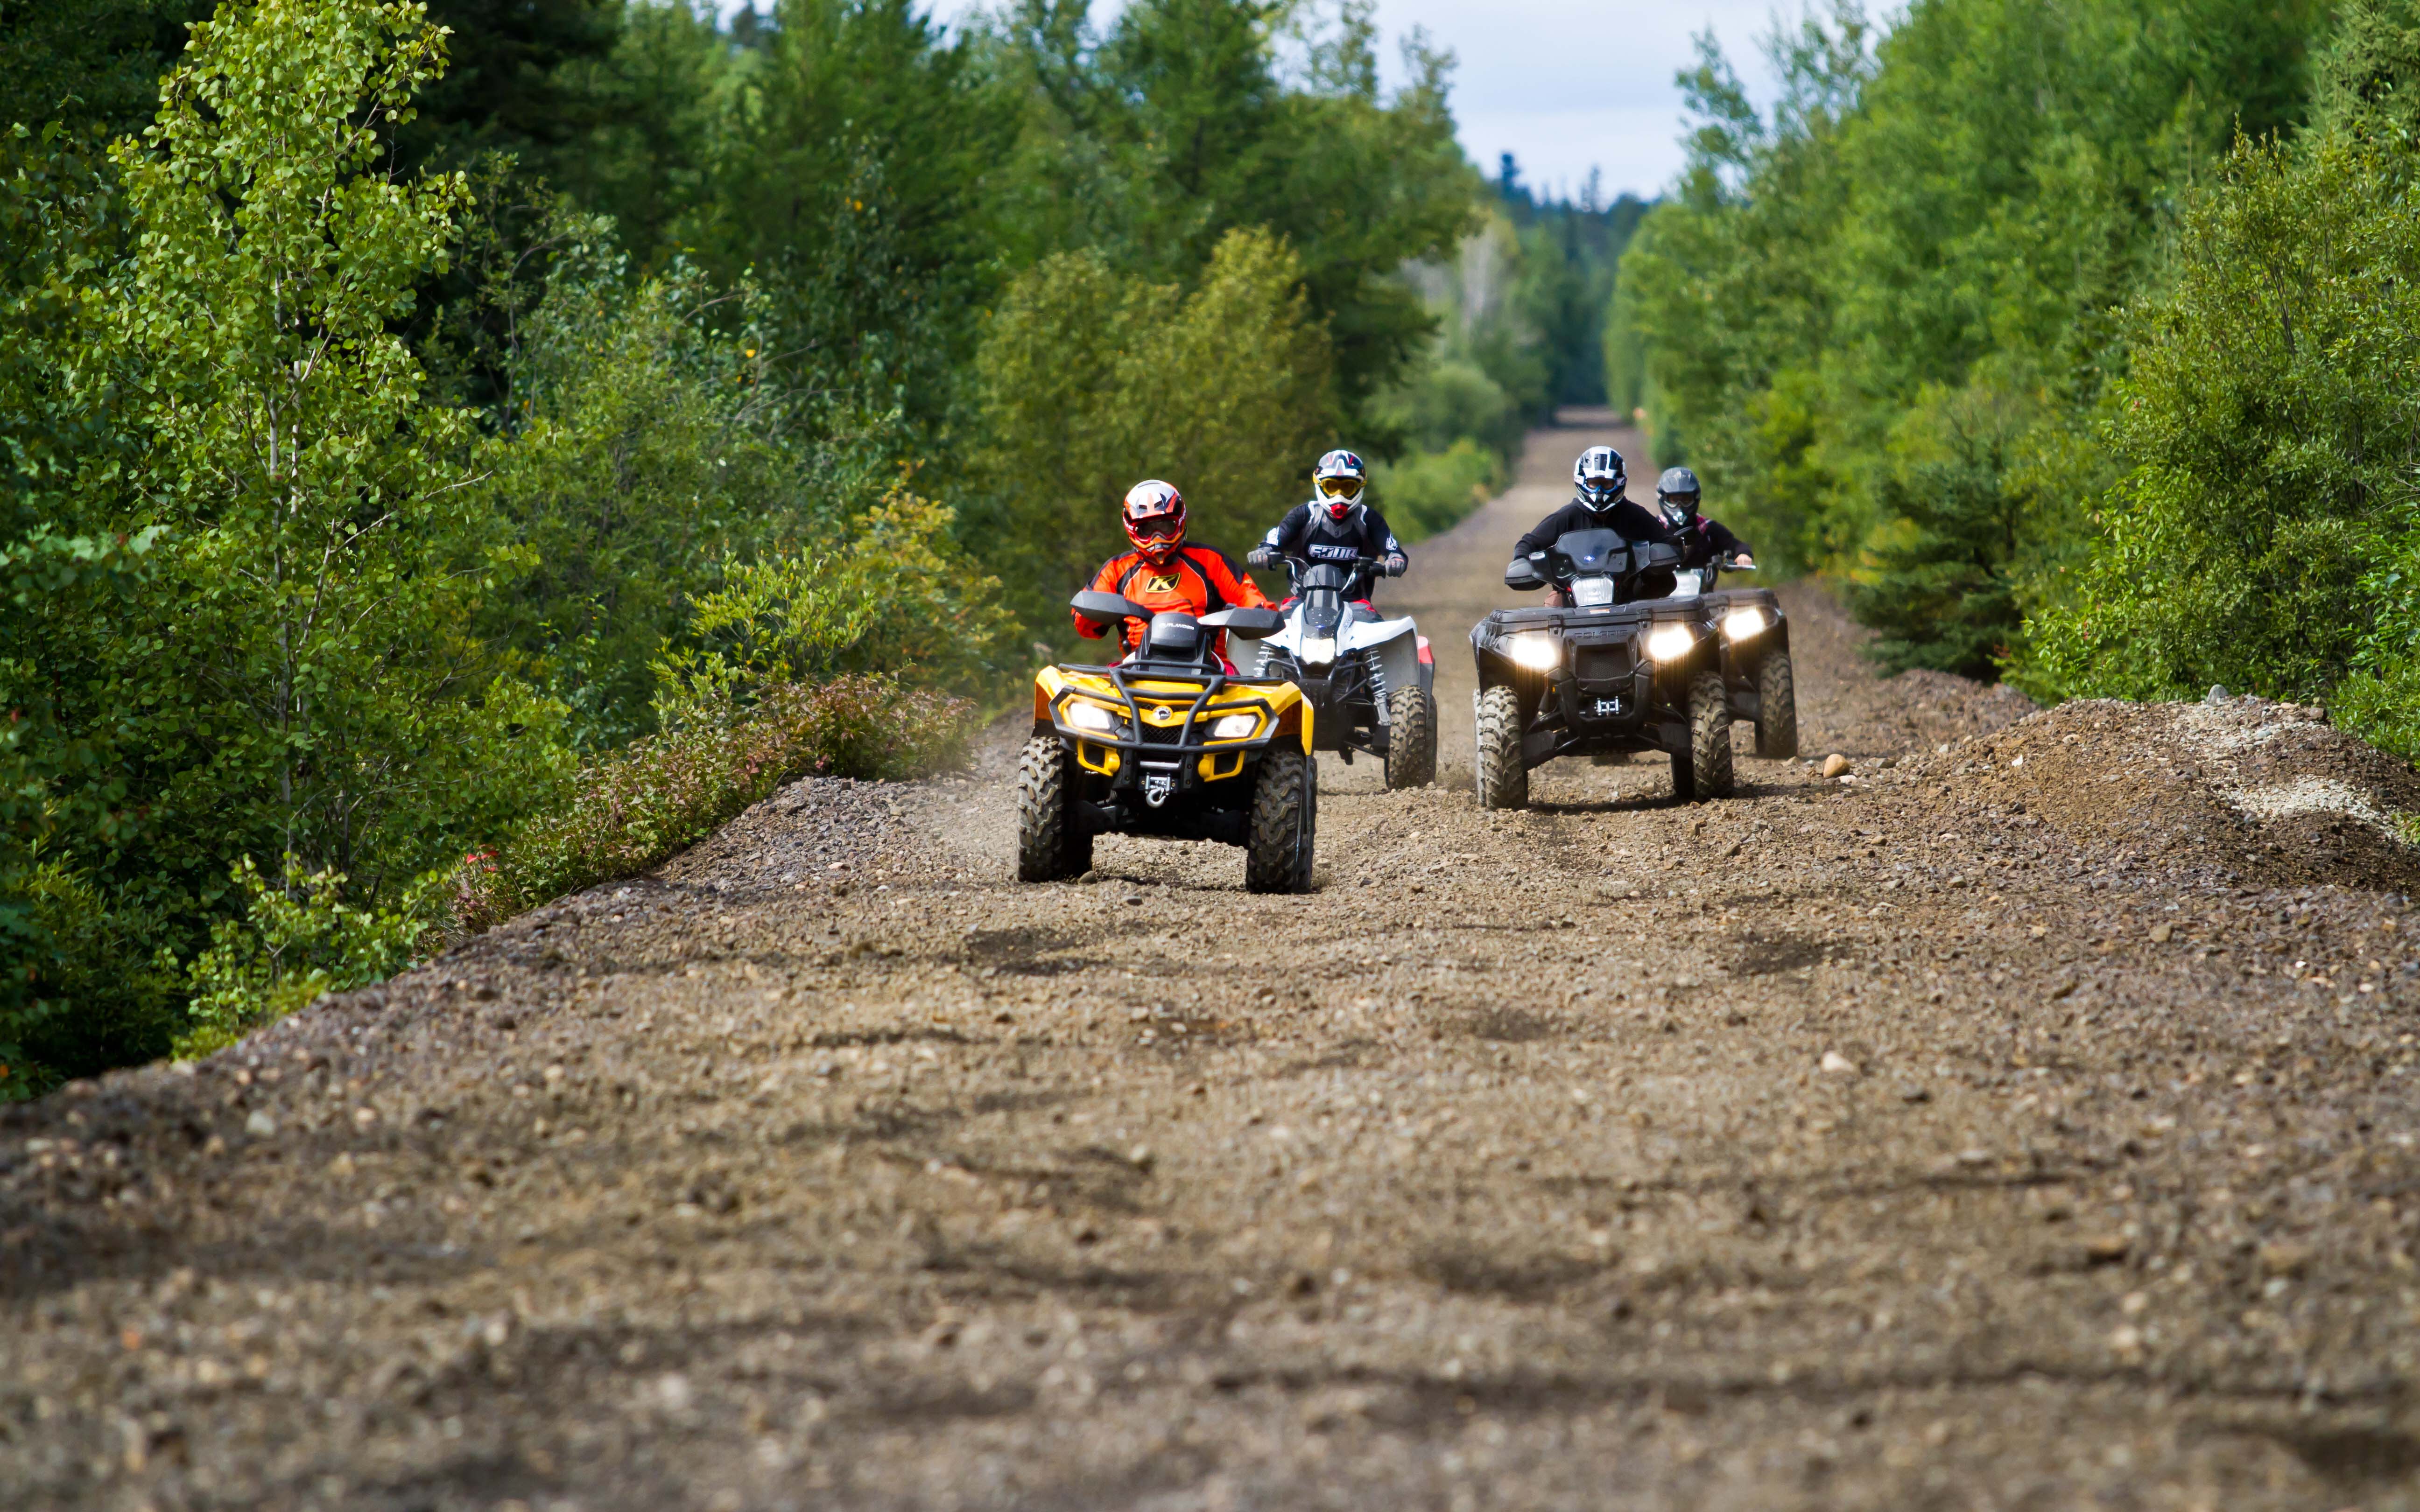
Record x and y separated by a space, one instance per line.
1606 672
1370 679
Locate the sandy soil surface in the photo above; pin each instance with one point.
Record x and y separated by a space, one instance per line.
2024 1121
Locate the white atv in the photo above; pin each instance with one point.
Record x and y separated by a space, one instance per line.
1370 681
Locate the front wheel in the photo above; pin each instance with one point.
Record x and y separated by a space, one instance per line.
1411 738
1777 708
1283 825
1705 772
1503 781
1051 845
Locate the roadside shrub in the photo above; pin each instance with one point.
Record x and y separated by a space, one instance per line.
295 942
2267 422
631 810
1430 491
897 592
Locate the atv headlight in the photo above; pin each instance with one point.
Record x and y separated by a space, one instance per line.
1099 716
1592 592
1318 650
1235 726
1743 621
1533 649
1670 642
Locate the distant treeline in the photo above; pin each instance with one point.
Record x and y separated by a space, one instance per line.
2078 342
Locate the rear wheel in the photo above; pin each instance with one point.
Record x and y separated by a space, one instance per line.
1284 822
1051 845
1411 738
1503 781
1706 772
1776 707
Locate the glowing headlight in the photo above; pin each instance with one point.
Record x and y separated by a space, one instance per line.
1092 716
1318 650
1669 643
1742 622
1534 651
1234 726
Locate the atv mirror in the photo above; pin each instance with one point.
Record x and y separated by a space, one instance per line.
1108 609
1522 576
1246 623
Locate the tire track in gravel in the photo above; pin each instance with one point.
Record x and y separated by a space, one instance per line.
2027 1122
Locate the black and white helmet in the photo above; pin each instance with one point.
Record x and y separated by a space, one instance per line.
1600 477
1677 491
1340 479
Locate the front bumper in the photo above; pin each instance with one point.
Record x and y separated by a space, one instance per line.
1162 759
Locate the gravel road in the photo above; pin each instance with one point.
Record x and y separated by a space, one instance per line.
2023 1121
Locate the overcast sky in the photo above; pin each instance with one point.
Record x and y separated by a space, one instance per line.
1565 87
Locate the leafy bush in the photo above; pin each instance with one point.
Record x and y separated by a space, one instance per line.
297 939
2267 422
1449 400
1430 491
897 591
649 440
630 809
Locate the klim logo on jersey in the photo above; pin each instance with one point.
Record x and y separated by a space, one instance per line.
1159 582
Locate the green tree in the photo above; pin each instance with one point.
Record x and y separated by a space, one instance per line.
1091 380
2260 536
328 542
1151 143
1959 207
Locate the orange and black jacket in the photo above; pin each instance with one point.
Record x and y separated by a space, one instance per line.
1198 580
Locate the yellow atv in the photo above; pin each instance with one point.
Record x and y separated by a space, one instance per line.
1168 743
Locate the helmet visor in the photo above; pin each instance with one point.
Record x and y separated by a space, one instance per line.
1158 528
1343 486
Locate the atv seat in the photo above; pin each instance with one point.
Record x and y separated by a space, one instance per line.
1176 642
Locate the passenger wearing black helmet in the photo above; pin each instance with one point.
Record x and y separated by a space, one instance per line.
1705 540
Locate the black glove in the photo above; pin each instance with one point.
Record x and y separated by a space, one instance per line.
1260 557
1397 565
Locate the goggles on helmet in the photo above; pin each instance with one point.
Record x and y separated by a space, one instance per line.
1347 488
1158 527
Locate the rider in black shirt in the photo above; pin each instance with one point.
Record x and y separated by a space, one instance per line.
1600 478
1334 527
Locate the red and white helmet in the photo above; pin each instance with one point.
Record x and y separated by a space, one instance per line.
1155 518
1340 479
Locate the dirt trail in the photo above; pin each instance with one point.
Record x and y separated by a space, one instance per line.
2027 1121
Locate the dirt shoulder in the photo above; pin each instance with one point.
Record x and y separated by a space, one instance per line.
2027 1122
